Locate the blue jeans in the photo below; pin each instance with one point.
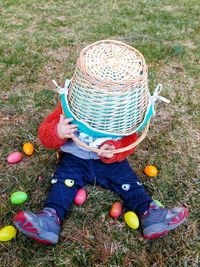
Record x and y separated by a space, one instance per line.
73 173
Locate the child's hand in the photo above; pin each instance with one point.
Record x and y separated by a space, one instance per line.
106 151
65 129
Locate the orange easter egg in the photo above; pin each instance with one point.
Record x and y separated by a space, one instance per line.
28 149
150 171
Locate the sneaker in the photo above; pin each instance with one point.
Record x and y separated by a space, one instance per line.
43 227
158 221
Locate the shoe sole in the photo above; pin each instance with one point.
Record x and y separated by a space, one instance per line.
170 227
26 227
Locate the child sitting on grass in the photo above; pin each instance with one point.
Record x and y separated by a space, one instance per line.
78 167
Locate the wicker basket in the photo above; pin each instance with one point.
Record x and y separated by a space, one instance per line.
108 94
109 90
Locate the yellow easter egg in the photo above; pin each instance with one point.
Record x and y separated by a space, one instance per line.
131 219
7 233
28 149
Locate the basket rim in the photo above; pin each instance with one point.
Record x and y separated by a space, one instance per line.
147 116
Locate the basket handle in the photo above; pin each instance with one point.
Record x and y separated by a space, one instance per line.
119 150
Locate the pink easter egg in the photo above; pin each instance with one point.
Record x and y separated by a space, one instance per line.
80 197
14 157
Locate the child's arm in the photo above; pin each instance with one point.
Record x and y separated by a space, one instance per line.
55 129
115 144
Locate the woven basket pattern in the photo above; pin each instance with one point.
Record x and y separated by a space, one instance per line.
109 88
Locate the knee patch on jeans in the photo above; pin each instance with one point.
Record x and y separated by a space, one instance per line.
67 182
125 187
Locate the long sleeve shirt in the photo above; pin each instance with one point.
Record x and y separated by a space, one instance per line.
50 139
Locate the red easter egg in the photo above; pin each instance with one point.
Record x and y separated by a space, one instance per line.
80 197
14 157
116 210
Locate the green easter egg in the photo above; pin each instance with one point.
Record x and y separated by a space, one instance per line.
158 203
18 197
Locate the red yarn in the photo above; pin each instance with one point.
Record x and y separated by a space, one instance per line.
125 141
47 133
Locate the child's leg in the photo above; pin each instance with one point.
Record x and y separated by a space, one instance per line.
45 225
67 179
155 221
120 178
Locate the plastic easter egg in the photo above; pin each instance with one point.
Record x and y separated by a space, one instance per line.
131 219
28 149
158 203
116 210
7 233
150 171
14 157
80 197
18 197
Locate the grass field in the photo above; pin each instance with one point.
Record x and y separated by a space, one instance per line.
40 41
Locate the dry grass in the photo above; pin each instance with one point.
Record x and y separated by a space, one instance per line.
40 41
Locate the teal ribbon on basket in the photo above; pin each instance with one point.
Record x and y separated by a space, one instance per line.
85 128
